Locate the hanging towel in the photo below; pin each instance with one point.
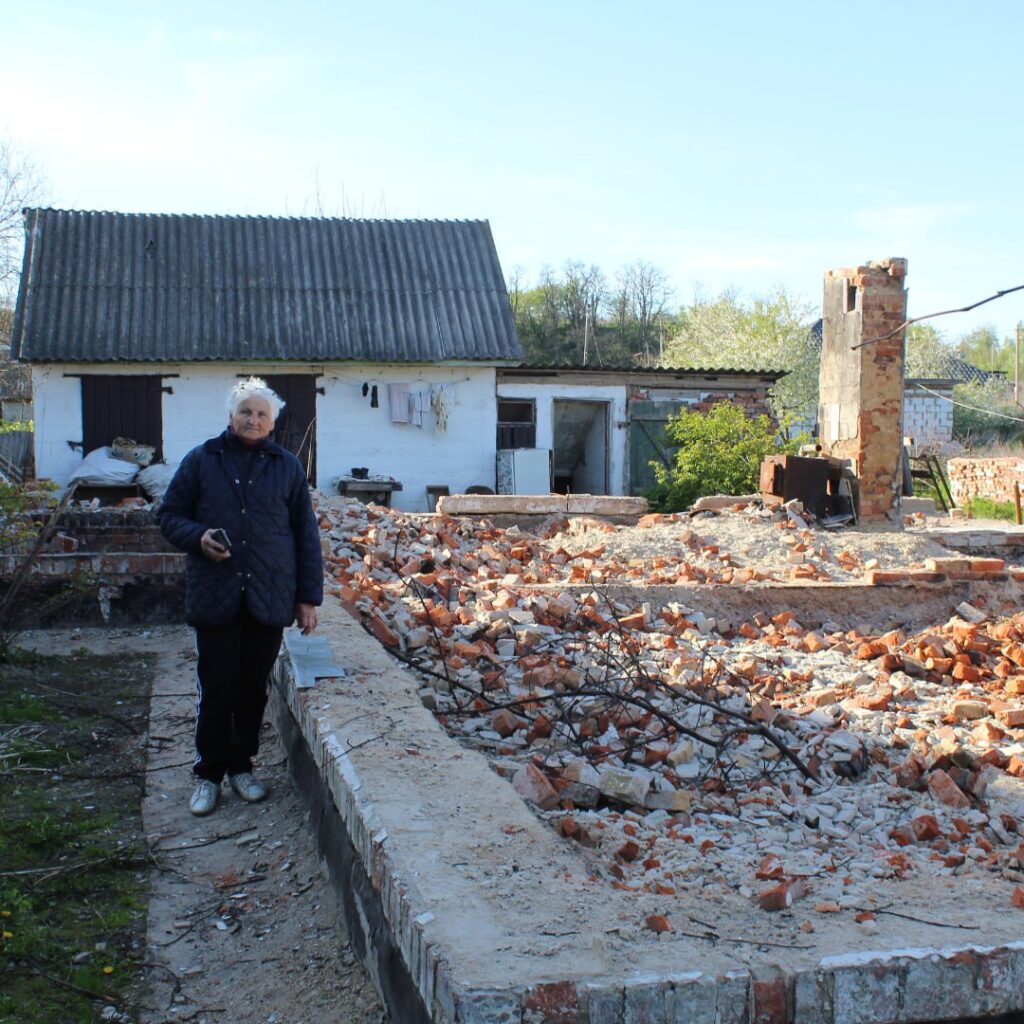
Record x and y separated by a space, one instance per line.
398 401
419 403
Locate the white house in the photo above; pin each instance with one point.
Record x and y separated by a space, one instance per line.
382 336
392 343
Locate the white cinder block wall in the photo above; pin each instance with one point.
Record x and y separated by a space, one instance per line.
349 431
927 418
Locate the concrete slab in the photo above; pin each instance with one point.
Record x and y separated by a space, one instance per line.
541 504
485 914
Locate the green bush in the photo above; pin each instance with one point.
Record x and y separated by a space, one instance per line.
718 452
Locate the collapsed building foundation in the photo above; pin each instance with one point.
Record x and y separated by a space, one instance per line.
469 909
472 907
468 906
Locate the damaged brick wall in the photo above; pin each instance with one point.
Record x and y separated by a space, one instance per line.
984 478
860 411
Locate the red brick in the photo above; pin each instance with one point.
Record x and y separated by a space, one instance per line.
783 895
770 868
504 722
909 773
649 520
903 835
384 633
657 923
926 828
988 565
532 784
945 790
771 997
966 673
628 851
556 1003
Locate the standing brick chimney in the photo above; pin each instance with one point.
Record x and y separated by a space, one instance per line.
860 404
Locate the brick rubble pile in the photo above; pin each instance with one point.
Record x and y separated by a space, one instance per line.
761 757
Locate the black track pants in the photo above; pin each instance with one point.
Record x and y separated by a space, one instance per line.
234 665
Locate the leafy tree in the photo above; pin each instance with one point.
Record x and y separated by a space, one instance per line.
928 353
718 452
982 348
772 332
571 313
641 305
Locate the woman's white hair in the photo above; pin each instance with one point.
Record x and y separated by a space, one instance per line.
254 387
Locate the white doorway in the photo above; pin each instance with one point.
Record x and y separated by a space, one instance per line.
580 447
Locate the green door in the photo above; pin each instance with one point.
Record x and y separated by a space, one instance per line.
647 441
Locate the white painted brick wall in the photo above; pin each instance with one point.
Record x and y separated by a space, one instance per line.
349 432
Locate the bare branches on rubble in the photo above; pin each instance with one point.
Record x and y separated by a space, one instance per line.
601 696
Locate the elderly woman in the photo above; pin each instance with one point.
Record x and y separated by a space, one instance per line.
239 506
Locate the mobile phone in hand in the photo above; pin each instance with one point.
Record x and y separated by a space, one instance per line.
221 538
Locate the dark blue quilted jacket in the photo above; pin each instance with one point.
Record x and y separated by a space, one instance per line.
275 558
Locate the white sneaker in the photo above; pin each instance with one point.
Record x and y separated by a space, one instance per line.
204 799
248 787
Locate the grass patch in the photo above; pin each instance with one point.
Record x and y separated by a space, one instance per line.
72 867
986 508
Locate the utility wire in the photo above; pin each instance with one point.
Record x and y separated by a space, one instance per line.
945 312
973 408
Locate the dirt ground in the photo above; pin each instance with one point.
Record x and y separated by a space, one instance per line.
242 923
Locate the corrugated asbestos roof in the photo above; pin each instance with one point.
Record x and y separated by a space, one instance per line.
104 287
633 370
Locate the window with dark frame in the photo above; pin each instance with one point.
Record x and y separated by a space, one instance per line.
517 423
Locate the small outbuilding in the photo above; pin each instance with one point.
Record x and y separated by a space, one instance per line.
382 336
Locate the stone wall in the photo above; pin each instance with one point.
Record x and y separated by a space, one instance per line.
986 478
860 409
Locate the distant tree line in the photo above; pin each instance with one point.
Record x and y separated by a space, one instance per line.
579 313
580 316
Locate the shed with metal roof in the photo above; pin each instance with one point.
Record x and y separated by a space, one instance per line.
382 336
117 287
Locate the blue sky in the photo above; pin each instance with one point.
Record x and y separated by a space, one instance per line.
736 145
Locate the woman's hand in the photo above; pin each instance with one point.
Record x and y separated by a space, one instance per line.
305 616
214 551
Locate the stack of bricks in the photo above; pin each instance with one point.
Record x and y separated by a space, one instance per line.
984 478
860 411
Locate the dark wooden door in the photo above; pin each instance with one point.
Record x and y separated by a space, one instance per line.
296 425
122 406
647 441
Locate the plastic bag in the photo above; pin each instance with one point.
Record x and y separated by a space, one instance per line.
156 479
100 469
